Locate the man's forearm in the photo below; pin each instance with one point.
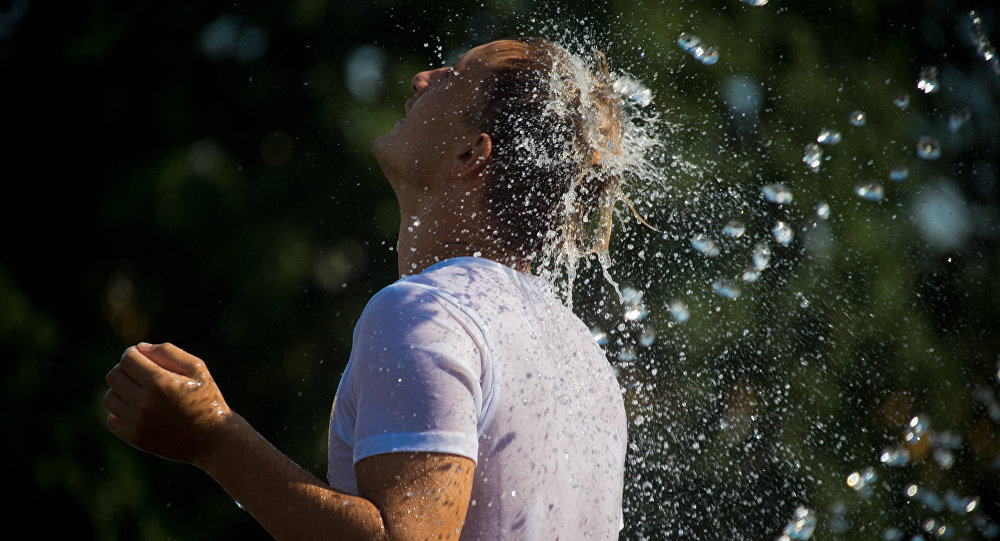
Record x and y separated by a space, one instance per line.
289 502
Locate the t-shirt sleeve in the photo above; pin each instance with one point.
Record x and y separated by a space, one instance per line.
415 379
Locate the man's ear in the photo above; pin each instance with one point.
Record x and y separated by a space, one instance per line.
472 161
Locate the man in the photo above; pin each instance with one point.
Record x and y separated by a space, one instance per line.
475 404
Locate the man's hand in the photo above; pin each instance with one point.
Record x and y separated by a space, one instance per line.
162 400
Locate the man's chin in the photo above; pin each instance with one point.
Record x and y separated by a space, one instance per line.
380 145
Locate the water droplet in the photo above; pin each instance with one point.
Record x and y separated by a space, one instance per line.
899 173
750 275
857 118
892 534
823 210
688 41
801 526
726 288
947 439
813 156
928 148
636 313
895 456
778 193
679 311
902 100
627 354
916 428
853 479
783 233
755 3
734 229
945 458
828 137
983 46
928 81
862 481
698 49
705 245
958 118
871 191
634 309
633 90
761 256
648 336
599 336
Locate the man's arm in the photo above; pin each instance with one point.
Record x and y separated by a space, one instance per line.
163 400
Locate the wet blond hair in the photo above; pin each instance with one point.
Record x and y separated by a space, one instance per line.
555 124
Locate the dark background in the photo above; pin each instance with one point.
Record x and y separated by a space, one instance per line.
201 174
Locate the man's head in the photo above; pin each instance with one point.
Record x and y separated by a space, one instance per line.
526 127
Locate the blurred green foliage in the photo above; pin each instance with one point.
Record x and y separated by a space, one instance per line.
201 174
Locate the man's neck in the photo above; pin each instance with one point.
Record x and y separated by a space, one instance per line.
437 236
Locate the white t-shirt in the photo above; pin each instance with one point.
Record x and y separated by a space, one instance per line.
475 359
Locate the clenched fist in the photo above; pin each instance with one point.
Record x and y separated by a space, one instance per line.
163 400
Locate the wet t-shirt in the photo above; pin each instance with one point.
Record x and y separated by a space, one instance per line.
475 359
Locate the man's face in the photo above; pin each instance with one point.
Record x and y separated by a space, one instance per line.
422 146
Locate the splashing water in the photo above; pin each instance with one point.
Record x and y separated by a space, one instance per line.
750 384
